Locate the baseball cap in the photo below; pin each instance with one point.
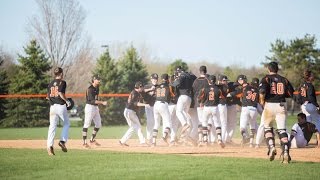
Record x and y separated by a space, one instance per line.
242 77
154 76
96 77
179 69
223 78
138 84
58 71
212 78
255 81
164 76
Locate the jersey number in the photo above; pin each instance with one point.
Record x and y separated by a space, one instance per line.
277 88
161 92
251 96
54 91
211 96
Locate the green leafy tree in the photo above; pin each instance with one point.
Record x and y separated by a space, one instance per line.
172 67
295 56
106 69
4 85
30 79
131 69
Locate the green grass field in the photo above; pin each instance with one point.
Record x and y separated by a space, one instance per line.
36 164
83 164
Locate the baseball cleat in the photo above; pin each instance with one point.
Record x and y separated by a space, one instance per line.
257 146
165 140
244 141
94 142
272 153
51 151
251 145
63 146
221 144
184 129
285 157
123 144
86 145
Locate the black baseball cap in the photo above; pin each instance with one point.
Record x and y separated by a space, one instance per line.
154 76
255 81
164 76
138 84
223 78
242 77
212 78
96 77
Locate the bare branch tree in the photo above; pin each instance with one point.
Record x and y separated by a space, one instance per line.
58 29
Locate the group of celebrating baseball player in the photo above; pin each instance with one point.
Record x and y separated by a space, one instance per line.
200 110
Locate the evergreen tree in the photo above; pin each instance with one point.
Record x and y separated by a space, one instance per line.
106 69
4 83
30 79
295 56
172 67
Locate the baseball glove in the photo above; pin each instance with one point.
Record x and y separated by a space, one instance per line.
71 104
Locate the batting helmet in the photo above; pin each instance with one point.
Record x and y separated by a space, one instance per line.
72 103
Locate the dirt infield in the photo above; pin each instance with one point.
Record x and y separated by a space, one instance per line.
309 154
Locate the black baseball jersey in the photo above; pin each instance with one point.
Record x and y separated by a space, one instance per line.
173 95
184 84
307 93
210 95
150 96
307 128
199 84
234 99
92 95
163 93
133 100
249 95
224 91
56 86
276 88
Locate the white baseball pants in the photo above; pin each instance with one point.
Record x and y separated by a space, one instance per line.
134 125
92 113
58 111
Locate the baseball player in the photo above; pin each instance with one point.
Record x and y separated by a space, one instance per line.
232 103
260 127
130 113
309 104
172 110
223 85
208 98
199 84
249 98
149 97
273 91
161 110
302 132
183 83
92 111
58 109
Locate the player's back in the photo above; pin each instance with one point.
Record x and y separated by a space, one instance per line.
276 88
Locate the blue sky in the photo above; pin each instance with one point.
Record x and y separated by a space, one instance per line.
223 32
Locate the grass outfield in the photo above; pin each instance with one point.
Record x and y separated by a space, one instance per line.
36 164
106 132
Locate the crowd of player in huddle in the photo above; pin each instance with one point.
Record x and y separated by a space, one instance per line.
204 110
201 111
